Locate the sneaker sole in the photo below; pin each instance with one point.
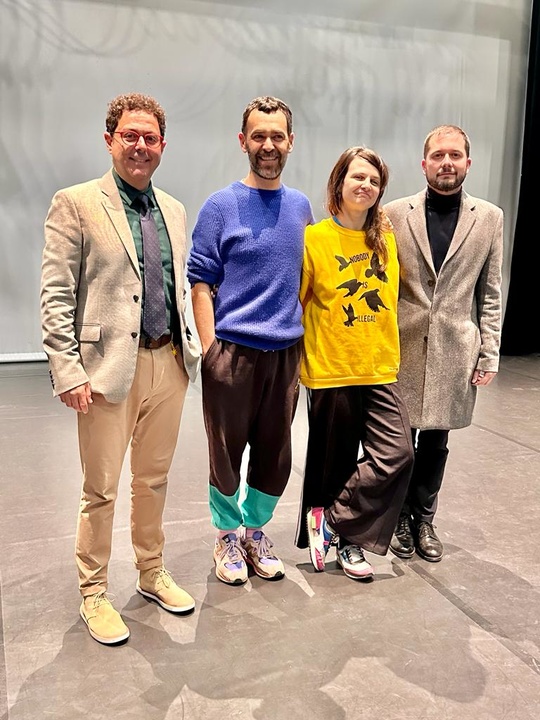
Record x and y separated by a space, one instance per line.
237 581
277 576
224 579
102 640
358 578
316 550
171 608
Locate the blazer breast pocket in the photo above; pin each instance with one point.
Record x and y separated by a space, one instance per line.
88 332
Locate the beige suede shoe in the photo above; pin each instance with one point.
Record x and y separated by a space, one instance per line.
157 584
104 623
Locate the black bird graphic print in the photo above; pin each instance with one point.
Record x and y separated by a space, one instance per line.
351 317
343 262
376 269
351 285
373 300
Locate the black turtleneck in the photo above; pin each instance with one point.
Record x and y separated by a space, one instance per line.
442 213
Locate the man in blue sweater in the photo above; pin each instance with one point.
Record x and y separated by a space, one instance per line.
244 269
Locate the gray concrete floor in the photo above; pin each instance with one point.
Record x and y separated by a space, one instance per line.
457 640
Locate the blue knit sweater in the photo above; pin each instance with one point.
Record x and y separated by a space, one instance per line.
250 243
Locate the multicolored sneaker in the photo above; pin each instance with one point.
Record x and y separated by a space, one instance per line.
321 537
354 564
230 561
258 550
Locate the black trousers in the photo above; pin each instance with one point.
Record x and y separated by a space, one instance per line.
362 497
430 455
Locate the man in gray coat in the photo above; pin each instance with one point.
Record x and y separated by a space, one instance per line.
120 352
450 252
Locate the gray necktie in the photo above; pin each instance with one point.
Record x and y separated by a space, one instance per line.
154 311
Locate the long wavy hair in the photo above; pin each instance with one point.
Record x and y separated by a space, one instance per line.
376 220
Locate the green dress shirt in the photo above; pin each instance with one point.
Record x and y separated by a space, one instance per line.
129 196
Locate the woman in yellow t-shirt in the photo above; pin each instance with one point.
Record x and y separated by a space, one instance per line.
349 292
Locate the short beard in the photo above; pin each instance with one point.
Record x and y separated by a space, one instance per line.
267 173
447 185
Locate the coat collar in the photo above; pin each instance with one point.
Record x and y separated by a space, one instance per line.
416 219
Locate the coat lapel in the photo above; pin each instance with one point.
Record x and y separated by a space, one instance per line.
114 207
416 219
466 220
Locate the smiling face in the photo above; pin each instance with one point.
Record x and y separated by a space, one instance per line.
446 163
267 144
361 186
135 164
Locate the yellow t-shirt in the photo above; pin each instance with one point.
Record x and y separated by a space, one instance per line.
350 309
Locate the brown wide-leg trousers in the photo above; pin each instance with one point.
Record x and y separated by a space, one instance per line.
150 418
362 497
249 398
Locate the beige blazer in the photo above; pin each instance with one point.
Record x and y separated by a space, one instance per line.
91 288
449 324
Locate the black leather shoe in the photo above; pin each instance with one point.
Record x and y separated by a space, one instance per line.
402 543
428 545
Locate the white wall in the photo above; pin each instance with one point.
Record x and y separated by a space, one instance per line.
379 72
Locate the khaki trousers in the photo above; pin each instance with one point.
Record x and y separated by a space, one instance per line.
150 418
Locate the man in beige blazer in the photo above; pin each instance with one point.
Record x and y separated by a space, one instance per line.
450 253
127 384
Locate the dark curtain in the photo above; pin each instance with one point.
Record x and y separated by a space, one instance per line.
521 329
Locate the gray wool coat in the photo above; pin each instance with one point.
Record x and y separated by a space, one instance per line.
449 324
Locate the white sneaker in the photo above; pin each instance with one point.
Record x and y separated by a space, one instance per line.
354 564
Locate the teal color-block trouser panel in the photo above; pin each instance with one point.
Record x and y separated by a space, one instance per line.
229 512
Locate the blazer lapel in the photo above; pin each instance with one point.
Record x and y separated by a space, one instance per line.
114 207
172 223
416 219
167 213
466 220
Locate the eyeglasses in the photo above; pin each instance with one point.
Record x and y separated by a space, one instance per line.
131 137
